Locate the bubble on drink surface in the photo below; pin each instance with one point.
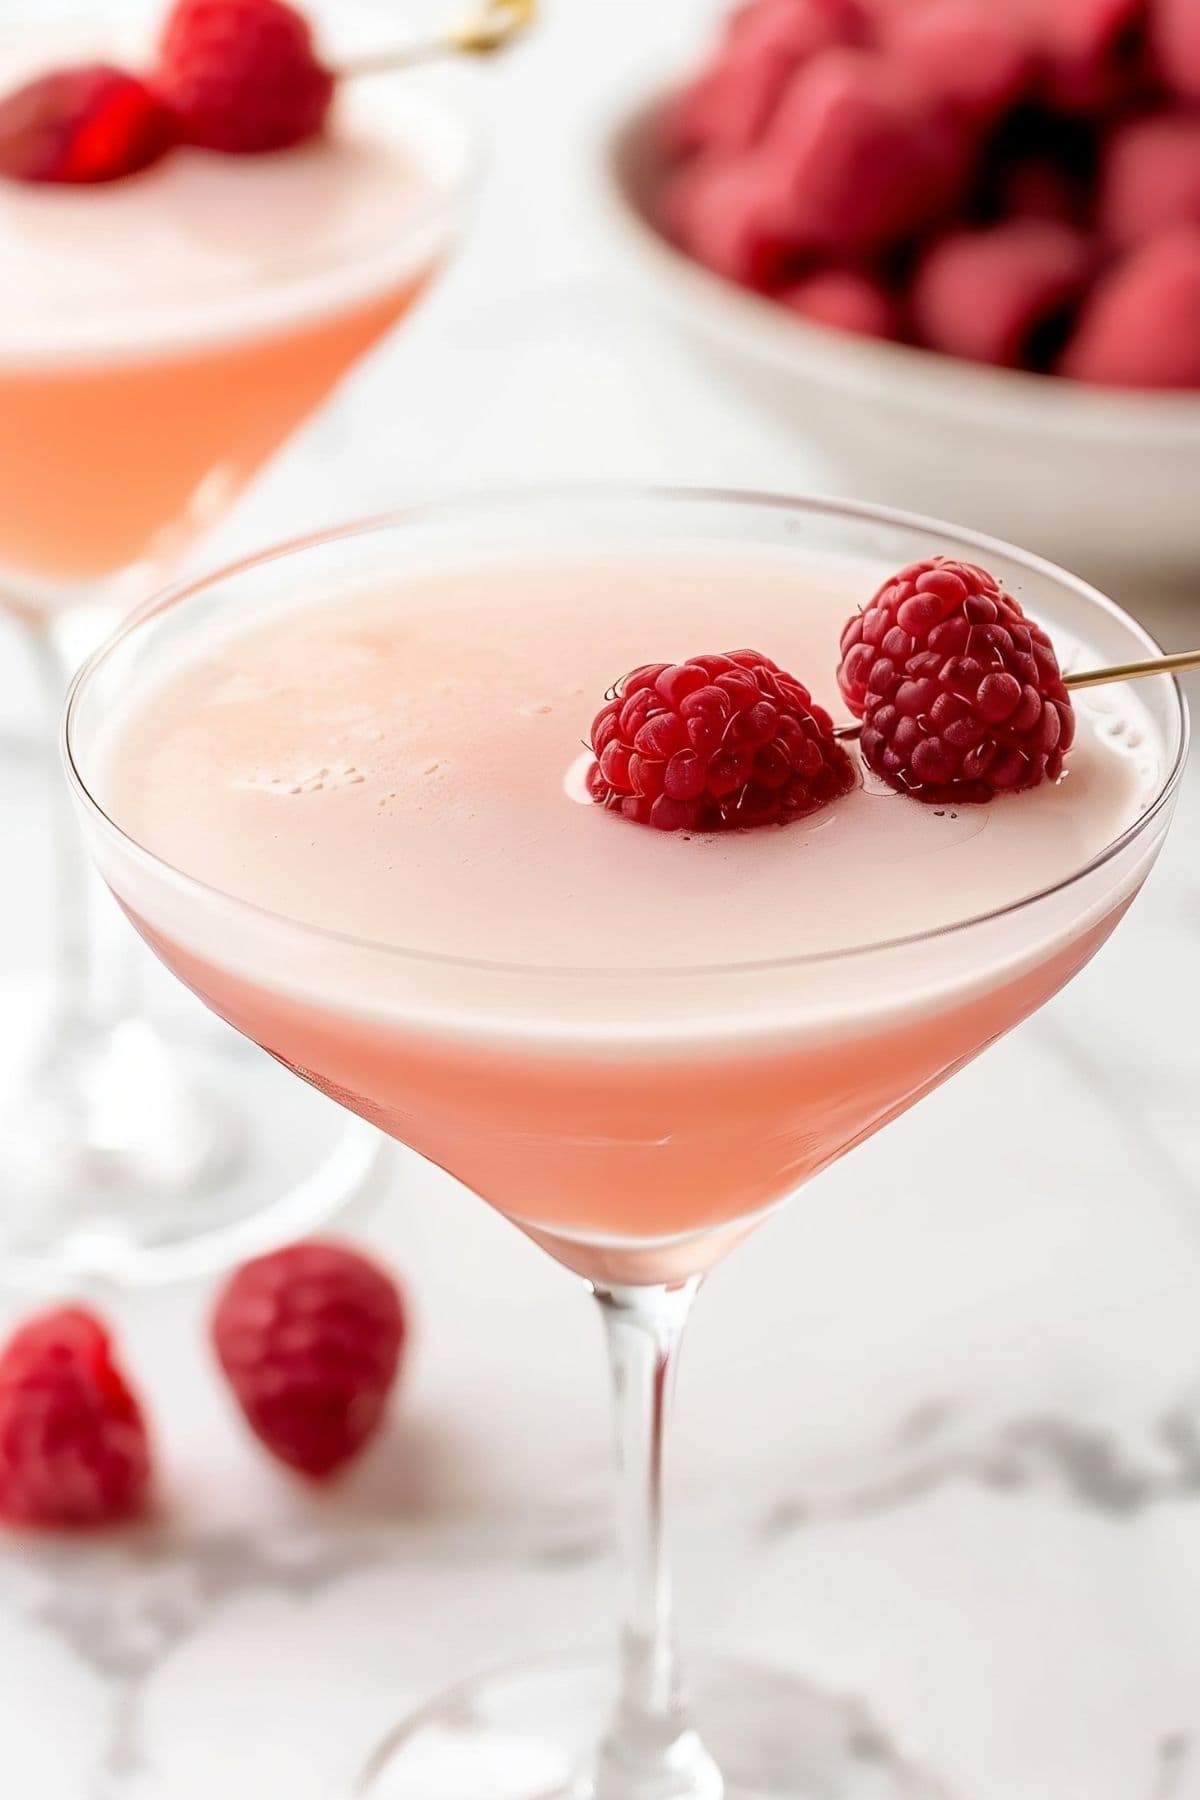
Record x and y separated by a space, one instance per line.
1120 721
318 780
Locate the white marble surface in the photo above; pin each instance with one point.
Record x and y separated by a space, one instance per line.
939 1429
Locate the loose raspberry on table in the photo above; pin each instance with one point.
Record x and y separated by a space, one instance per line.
960 695
90 123
717 743
73 1443
310 1338
242 76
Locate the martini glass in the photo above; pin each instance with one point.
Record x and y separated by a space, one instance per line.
635 1121
161 338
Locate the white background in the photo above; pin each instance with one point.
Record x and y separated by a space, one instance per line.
939 1433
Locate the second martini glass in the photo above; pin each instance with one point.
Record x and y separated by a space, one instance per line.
160 338
636 1114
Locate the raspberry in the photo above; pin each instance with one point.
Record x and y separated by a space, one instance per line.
1151 177
721 211
1138 328
310 1338
73 1446
956 54
846 299
726 108
730 103
1095 51
714 744
858 163
959 693
242 76
1175 41
1003 294
85 124
802 28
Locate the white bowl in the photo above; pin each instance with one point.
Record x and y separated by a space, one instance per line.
1100 479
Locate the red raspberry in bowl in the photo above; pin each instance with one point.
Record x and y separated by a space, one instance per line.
717 743
85 124
846 299
977 62
723 211
857 161
960 695
1002 294
1150 177
1094 51
1139 327
242 76
1174 31
73 1444
310 1339
801 27
725 109
730 103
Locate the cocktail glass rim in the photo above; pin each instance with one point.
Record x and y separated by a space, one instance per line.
487 500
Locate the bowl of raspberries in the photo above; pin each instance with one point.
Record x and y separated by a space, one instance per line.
956 243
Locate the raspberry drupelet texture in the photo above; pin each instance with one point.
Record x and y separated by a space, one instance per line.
73 1445
242 76
960 695
717 743
310 1338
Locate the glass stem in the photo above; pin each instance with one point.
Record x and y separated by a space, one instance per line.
651 1751
95 980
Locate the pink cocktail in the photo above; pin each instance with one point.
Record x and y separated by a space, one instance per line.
340 791
161 337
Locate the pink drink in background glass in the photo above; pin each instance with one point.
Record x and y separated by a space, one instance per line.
161 337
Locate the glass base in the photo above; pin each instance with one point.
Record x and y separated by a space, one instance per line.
138 1157
531 1732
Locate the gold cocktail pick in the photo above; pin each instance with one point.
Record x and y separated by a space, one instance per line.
491 26
1176 664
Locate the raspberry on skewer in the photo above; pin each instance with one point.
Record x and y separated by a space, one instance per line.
242 77
960 695
716 743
